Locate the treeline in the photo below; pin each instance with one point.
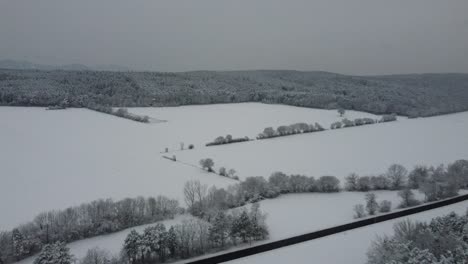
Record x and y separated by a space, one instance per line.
226 140
87 220
293 129
362 121
410 95
441 241
202 201
121 112
434 182
195 237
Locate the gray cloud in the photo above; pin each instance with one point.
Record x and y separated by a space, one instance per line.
354 37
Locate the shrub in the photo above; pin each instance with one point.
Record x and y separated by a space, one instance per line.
385 206
359 211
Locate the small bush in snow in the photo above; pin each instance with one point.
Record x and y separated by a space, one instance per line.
385 206
359 211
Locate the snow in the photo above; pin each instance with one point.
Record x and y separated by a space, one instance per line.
314 211
112 243
55 159
347 247
366 150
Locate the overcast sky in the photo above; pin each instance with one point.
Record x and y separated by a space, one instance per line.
344 36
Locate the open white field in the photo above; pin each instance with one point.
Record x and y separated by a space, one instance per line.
55 159
347 247
203 123
296 214
365 150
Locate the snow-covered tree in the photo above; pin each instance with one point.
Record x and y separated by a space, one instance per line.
280 181
222 171
341 111
132 247
407 197
396 173
359 211
385 206
351 182
56 253
371 203
19 244
328 184
219 231
269 132
171 242
241 227
96 256
207 164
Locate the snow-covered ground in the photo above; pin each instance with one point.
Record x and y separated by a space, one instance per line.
296 214
55 159
365 150
112 243
347 247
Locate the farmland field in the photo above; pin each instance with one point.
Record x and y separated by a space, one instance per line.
367 150
55 159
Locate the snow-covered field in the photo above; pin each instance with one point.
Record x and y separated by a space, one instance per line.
365 150
55 159
314 211
347 247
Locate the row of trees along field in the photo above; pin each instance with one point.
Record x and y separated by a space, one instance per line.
410 95
87 220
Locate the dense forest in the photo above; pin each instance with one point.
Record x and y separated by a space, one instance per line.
412 95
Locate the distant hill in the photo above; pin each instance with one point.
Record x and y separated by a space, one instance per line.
26 65
411 95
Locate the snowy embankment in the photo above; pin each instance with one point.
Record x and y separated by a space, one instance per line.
56 159
366 150
347 247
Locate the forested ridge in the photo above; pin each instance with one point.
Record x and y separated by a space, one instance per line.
412 95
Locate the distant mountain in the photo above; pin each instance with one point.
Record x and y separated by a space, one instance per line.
27 65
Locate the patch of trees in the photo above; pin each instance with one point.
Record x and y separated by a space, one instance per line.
371 207
195 237
87 220
208 164
226 140
435 182
56 252
293 129
362 121
201 201
441 241
121 112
